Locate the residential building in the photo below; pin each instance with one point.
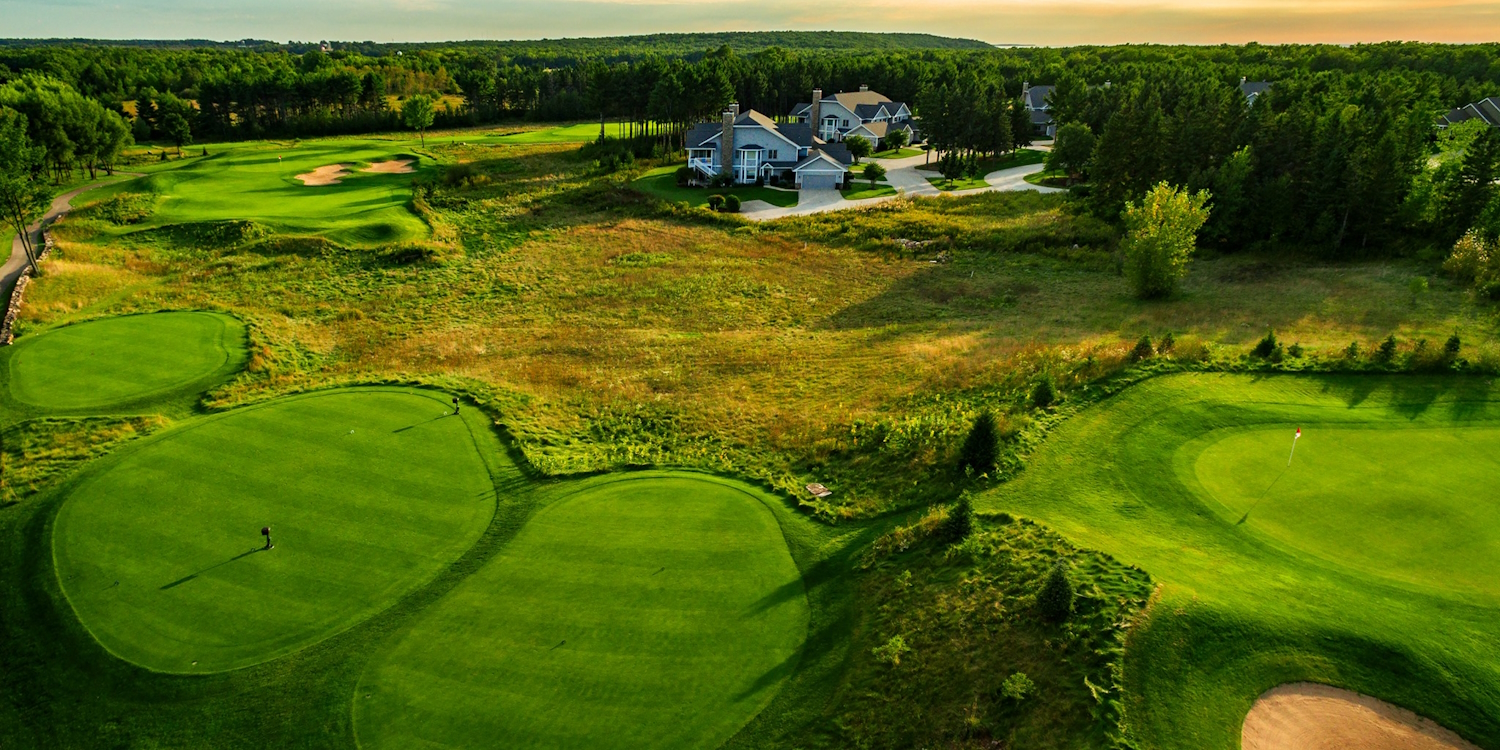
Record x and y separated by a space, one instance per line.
865 113
1035 99
760 149
1487 110
1253 89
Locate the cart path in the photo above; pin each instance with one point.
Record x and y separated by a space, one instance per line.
16 263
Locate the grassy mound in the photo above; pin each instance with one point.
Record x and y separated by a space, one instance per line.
1358 566
650 611
116 361
368 492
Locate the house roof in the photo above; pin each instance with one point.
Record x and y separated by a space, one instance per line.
877 129
864 104
852 99
1484 109
820 158
706 134
1252 89
1041 118
1036 96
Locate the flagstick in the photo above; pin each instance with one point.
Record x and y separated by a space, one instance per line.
1294 448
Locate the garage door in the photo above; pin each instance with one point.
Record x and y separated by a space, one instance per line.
821 180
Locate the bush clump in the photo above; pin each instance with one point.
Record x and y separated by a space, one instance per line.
1453 346
1266 346
715 201
1055 602
891 651
1017 687
731 204
959 523
1044 393
1166 344
1386 352
1143 349
981 446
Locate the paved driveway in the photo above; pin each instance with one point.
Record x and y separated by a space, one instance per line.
908 181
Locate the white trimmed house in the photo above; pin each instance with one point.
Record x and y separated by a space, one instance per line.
764 150
864 113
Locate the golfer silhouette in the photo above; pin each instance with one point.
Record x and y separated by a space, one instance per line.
265 531
455 404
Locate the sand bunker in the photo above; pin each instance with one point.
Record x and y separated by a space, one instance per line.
328 175
394 166
1308 716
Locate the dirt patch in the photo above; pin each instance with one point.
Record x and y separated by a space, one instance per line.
394 166
1308 716
329 175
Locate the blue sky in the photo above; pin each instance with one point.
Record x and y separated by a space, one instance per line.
1052 22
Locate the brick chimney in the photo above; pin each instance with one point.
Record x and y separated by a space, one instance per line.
726 146
863 87
815 115
734 108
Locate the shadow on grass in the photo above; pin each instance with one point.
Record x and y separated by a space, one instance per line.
190 577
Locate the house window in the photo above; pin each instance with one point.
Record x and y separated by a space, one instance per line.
773 153
846 123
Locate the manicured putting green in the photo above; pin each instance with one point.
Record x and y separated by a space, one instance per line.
1369 564
647 612
1416 505
368 492
260 183
118 360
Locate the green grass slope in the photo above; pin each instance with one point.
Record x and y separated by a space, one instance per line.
369 494
258 182
1364 565
652 611
115 361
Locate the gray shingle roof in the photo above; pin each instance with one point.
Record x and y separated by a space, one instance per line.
1037 96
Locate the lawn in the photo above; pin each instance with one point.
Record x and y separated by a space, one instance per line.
643 611
662 183
111 362
957 184
369 493
1018 158
860 189
258 183
583 132
897 153
1358 565
1048 178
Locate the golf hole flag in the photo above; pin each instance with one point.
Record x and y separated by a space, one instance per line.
1295 438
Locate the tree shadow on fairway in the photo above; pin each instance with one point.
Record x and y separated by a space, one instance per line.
187 578
772 676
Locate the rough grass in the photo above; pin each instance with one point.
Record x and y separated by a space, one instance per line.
1358 569
813 349
39 451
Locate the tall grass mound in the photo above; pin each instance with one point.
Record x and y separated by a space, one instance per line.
368 494
646 611
1352 561
114 362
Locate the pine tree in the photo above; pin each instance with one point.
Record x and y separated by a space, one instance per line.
960 521
1055 601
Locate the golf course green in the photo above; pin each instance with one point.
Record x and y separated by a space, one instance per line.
115 361
260 183
368 494
648 611
1368 563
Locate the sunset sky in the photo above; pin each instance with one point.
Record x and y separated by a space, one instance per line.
1047 22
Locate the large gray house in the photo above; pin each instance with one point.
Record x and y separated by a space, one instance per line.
1035 99
864 113
763 150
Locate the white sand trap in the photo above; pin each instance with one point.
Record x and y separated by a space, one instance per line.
329 175
1308 716
394 166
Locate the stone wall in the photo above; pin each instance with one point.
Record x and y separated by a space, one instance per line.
14 308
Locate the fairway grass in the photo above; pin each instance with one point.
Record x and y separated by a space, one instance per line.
1368 564
368 492
112 362
258 182
646 611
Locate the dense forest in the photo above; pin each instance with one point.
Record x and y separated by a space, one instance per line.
1342 153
